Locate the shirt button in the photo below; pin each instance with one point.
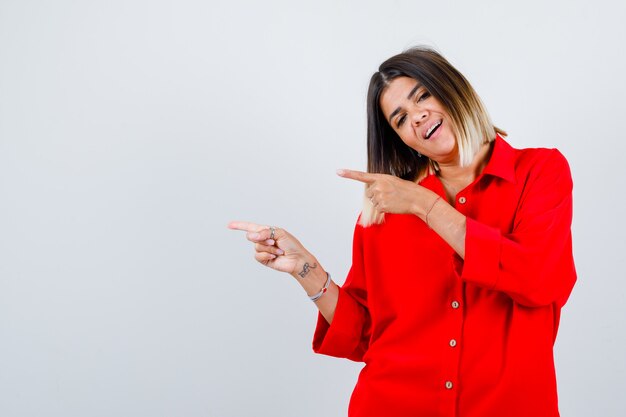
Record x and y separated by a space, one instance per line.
455 304
449 385
462 200
452 343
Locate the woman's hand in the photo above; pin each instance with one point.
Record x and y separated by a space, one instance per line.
390 194
279 250
283 252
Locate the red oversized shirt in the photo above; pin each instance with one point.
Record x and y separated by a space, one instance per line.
443 336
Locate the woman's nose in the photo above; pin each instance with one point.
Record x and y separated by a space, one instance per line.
418 116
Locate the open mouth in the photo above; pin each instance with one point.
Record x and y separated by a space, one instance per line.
433 129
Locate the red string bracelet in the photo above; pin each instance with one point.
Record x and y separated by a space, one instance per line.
431 208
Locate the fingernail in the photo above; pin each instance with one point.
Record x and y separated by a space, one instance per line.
254 235
273 256
271 242
280 251
341 172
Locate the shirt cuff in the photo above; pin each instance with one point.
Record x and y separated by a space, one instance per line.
482 254
343 336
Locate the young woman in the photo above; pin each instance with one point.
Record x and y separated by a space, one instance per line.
462 256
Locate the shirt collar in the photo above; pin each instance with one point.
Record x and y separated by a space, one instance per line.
502 161
501 164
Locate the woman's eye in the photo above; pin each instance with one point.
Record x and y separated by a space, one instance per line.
401 120
424 96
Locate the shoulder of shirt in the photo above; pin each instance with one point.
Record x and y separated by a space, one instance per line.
543 165
530 158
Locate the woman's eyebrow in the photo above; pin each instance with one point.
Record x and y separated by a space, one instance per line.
412 93
409 97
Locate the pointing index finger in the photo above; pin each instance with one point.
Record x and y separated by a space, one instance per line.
361 176
246 226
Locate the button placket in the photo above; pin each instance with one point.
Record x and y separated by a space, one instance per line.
452 352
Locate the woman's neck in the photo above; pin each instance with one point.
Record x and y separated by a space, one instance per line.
455 177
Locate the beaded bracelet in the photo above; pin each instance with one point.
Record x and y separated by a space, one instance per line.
317 296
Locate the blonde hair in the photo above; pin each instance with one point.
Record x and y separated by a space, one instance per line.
387 153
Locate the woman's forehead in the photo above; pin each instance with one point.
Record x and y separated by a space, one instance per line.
398 91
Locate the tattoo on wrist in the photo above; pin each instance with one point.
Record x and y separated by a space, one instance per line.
306 268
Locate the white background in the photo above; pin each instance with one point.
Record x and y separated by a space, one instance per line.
132 131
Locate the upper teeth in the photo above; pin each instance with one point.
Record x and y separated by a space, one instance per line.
432 128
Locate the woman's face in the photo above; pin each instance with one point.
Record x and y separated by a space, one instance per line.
419 119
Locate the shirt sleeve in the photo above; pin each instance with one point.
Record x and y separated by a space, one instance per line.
533 264
348 335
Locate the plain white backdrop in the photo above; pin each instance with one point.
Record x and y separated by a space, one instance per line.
132 131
